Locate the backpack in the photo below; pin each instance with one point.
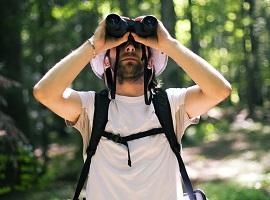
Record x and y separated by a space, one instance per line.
163 112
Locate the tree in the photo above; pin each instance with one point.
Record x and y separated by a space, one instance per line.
173 74
251 48
194 41
11 61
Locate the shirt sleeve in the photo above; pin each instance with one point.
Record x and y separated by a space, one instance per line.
181 120
85 120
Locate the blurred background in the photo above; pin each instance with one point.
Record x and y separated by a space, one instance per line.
227 153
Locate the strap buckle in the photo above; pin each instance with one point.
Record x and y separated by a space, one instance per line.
117 138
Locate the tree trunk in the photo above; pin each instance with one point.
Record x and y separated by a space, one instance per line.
10 59
251 61
194 42
124 7
43 9
173 75
168 15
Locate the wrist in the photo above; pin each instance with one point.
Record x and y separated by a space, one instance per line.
92 45
169 45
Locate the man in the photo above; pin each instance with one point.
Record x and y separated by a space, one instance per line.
154 173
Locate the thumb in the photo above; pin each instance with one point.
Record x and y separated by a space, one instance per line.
123 39
140 39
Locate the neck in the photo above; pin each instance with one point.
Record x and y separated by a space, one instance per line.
130 89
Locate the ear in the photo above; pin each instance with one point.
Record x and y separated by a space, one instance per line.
108 72
150 64
112 56
106 62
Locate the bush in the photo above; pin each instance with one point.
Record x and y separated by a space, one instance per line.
19 168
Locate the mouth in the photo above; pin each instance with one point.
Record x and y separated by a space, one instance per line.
130 59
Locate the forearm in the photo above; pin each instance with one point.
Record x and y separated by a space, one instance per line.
59 77
210 81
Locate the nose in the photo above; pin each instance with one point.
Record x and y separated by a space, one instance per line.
129 47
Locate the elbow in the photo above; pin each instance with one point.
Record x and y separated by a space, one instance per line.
45 95
225 91
38 93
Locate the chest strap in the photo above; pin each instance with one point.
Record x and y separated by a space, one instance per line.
124 140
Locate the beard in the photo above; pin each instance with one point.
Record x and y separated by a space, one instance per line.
129 71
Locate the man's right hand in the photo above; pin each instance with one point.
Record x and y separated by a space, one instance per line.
100 42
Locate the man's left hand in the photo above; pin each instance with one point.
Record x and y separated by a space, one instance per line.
158 42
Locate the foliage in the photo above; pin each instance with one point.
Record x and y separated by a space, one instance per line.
232 191
19 168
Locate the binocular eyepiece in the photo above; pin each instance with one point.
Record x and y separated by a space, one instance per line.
117 26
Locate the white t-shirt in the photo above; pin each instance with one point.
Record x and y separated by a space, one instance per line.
154 173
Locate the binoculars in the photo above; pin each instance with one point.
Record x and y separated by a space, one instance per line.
116 26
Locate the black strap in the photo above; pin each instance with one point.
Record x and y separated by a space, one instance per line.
185 176
163 112
134 136
83 175
100 120
113 90
124 140
147 74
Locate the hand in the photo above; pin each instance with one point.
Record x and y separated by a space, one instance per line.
157 43
100 41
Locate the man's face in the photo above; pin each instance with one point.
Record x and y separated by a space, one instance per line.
130 67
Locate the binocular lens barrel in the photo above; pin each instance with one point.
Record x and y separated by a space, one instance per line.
115 26
149 23
113 20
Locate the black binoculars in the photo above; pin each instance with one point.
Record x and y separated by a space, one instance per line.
116 26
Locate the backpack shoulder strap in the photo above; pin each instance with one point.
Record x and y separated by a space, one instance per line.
102 102
100 120
163 111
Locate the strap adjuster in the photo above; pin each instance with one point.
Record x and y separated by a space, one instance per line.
116 138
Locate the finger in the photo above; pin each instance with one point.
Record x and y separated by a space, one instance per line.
113 42
123 39
102 22
139 18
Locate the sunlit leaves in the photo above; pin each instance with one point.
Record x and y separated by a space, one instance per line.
182 31
234 96
229 26
104 8
70 9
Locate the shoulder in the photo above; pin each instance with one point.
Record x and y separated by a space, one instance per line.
86 97
176 96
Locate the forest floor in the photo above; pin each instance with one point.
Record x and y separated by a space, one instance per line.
239 156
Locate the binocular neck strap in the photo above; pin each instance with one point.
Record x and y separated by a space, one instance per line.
113 89
146 76
111 78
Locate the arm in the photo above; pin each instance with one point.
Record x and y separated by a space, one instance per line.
52 90
211 87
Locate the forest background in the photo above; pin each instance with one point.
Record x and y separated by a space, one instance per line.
227 154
